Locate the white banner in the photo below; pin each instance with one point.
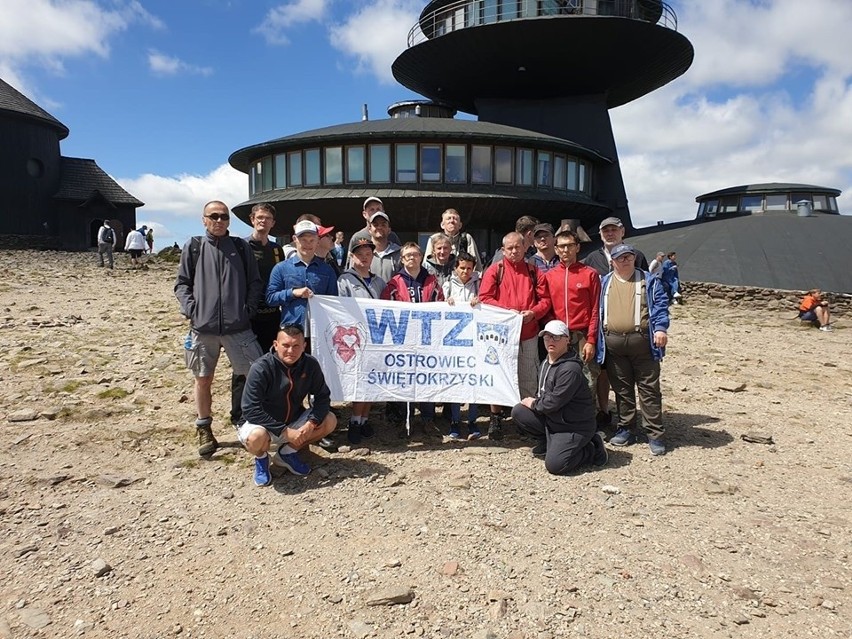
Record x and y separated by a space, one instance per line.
376 350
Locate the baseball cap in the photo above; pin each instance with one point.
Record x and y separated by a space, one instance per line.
363 242
322 231
305 226
379 214
620 250
544 226
372 198
610 221
554 327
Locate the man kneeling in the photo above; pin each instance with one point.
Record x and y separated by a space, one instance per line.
562 415
276 387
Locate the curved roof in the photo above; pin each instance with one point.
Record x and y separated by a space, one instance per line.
400 129
17 104
769 187
771 251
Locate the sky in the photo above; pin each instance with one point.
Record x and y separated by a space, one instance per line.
161 92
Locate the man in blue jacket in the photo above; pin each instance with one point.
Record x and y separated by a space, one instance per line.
273 406
632 337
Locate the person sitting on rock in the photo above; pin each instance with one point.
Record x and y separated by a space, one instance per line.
273 400
561 417
813 308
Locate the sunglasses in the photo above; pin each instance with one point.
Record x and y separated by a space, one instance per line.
217 217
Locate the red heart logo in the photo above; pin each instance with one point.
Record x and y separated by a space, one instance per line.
346 341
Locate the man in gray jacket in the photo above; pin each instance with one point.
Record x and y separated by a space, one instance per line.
219 290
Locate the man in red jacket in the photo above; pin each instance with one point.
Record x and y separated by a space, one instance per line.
574 290
514 284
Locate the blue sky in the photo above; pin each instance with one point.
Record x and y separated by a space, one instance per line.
160 92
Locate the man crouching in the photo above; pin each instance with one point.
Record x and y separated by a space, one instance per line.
562 415
275 391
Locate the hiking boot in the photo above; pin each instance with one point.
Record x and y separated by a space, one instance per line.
658 447
495 428
262 476
623 438
291 462
367 430
207 444
539 451
455 433
354 433
601 456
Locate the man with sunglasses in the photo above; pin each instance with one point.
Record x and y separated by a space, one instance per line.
219 289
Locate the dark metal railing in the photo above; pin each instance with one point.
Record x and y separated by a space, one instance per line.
462 14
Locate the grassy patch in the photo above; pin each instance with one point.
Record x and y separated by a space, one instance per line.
113 393
73 385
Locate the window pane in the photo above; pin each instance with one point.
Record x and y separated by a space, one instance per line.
312 167
294 169
751 203
819 203
258 176
503 165
832 203
252 179
543 170
729 204
267 173
480 160
406 162
334 165
380 163
712 208
280 171
355 164
795 197
456 163
776 202
489 11
583 181
559 171
572 175
430 163
524 167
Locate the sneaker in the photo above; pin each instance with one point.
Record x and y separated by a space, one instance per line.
827 328
326 443
540 449
623 438
495 428
207 444
292 463
473 433
658 447
454 431
262 476
601 456
354 433
367 430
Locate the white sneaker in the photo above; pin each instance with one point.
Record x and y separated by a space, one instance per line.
827 328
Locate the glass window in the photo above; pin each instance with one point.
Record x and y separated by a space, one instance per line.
572 174
701 207
712 208
832 203
355 169
455 164
776 202
544 176
819 202
508 9
729 204
334 165
795 197
280 171
380 167
294 168
480 161
582 184
406 163
524 167
503 165
751 203
312 167
267 173
252 179
559 172
430 163
488 11
258 176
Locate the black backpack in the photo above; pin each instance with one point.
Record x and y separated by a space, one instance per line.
195 250
108 234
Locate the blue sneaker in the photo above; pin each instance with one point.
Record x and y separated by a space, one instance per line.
262 476
623 438
658 447
292 463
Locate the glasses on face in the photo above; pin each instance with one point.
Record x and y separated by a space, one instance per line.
555 338
625 257
217 217
565 247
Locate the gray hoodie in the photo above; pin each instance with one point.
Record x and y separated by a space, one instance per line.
462 292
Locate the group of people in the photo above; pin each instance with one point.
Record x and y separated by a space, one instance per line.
137 242
664 266
604 321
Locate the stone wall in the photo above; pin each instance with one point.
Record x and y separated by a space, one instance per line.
770 298
25 242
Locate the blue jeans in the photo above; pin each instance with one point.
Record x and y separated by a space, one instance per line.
472 413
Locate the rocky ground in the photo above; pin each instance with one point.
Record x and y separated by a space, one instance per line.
111 526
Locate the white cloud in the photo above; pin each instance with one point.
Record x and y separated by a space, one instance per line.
281 18
161 64
175 202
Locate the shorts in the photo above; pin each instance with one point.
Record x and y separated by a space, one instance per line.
278 436
135 253
242 349
808 316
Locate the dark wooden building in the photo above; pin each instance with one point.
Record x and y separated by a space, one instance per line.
46 200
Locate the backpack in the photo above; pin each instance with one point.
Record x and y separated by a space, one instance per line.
108 235
195 250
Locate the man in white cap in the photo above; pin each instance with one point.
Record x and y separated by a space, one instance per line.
372 205
612 234
561 417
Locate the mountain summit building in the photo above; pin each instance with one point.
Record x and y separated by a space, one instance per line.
540 76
